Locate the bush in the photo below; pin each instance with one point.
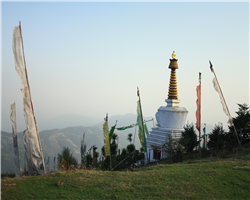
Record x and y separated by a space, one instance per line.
130 148
65 159
124 152
173 150
242 122
189 138
89 160
217 139
231 140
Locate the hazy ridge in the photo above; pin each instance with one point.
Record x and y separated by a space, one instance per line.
55 139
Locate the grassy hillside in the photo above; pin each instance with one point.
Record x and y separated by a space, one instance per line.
227 179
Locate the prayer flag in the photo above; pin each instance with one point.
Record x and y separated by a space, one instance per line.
222 100
146 129
106 135
28 107
198 111
139 136
211 66
111 132
27 151
47 161
140 125
14 135
125 127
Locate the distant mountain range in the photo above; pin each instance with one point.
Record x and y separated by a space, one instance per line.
70 120
54 140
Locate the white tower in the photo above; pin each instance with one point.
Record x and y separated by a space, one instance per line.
170 118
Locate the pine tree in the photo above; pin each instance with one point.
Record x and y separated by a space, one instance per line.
189 138
242 122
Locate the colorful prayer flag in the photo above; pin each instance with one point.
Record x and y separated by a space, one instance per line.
211 66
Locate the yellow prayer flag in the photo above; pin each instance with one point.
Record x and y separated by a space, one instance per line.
106 136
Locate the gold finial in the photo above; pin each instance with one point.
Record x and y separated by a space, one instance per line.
173 55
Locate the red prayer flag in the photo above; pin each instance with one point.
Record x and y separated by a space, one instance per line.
198 111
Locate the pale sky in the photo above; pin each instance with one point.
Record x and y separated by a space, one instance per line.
88 58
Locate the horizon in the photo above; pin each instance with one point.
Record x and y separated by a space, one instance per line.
112 120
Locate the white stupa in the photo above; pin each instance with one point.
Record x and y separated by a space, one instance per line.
170 118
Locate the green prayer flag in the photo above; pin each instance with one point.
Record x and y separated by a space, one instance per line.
111 132
140 125
125 127
146 129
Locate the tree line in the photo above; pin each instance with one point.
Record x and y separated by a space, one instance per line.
174 149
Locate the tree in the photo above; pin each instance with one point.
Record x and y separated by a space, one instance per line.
114 137
113 145
130 148
242 122
65 158
217 138
189 138
130 137
124 152
89 160
173 149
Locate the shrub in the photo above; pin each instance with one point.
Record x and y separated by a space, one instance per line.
65 159
130 148
242 123
189 138
124 152
173 150
217 139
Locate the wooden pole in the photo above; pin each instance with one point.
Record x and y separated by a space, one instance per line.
230 118
31 99
109 148
200 118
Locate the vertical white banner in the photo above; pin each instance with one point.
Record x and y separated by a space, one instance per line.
14 135
28 112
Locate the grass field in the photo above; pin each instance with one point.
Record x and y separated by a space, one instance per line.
204 179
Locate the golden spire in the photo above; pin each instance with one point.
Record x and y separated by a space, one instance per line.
172 92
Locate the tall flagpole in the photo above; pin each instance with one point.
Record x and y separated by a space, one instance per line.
200 117
142 123
230 118
31 99
109 146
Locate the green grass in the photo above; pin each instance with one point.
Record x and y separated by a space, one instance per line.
227 179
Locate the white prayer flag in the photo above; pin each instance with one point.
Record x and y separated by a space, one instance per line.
222 100
32 133
14 135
